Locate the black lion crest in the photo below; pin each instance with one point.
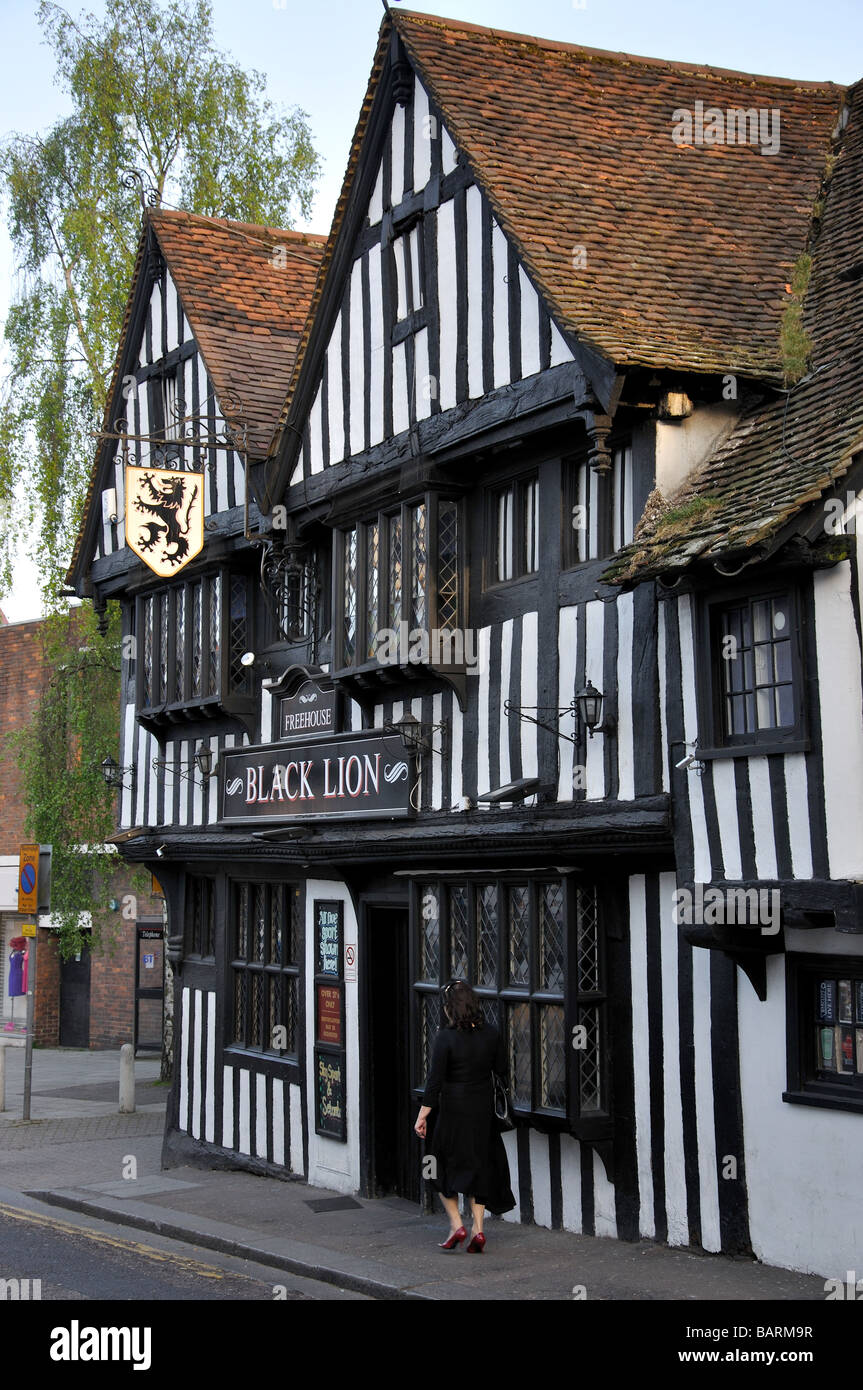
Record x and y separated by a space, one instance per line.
166 501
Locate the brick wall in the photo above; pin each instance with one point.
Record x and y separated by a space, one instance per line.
21 677
112 970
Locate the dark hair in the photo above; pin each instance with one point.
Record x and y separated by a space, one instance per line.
461 1005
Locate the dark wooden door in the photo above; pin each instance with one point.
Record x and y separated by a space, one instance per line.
393 1152
75 1000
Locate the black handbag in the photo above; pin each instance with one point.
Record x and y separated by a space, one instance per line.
502 1104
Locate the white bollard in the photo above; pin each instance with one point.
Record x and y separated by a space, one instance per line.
2 1078
127 1079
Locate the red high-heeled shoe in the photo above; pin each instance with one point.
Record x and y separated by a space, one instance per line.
477 1244
454 1240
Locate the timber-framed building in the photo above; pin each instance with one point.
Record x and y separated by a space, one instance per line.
567 405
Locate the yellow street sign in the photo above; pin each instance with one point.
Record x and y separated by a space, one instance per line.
28 929
28 878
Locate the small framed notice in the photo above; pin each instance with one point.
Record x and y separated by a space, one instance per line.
329 918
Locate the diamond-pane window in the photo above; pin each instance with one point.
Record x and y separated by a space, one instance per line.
587 940
164 629
518 1019
238 634
448 571
487 935
552 1056
458 932
429 961
265 991
590 1072
372 587
349 631
197 640
179 645
419 543
519 934
394 591
147 676
552 937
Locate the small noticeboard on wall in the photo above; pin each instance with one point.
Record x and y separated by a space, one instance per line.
330 1042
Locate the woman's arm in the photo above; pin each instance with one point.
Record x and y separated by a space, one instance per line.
436 1077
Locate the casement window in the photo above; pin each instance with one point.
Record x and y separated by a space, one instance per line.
403 567
599 511
825 1041
752 691
191 637
265 949
513 531
200 916
408 297
532 948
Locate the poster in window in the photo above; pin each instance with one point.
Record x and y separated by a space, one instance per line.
329 1015
330 1116
826 1050
827 1001
845 1015
329 938
845 1049
859 988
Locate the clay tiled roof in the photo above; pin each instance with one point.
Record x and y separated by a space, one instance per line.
688 248
246 291
787 450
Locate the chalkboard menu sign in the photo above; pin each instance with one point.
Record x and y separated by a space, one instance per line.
330 1054
330 1115
329 938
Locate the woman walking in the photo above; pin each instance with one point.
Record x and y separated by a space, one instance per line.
466 1145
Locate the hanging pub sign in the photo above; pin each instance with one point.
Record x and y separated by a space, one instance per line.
310 710
164 517
352 777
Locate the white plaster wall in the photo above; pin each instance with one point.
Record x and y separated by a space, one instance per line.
683 445
839 684
802 1163
332 1164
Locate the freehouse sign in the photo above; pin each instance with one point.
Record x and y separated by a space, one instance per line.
351 776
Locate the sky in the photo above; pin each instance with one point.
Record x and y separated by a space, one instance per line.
317 56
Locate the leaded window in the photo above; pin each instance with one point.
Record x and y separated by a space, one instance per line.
399 583
265 945
193 636
532 949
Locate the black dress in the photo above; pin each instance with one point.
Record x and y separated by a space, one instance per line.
465 1140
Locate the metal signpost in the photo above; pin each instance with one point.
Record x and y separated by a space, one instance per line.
34 896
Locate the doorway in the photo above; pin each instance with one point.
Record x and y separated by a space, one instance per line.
391 1151
75 1000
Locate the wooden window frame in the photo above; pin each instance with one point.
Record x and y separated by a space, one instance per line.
591 1125
432 501
417 315
228 694
713 741
518 487
208 887
805 1086
610 505
264 969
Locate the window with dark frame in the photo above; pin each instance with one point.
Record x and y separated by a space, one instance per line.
408 279
532 950
192 636
752 686
200 917
513 526
265 936
403 566
599 511
826 1030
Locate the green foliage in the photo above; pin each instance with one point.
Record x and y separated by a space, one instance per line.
150 93
73 728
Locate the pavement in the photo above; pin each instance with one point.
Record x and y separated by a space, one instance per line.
77 1153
